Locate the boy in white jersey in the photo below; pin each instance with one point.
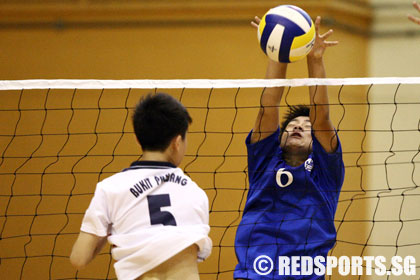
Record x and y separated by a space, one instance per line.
154 215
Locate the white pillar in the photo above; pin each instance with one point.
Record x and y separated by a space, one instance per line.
394 51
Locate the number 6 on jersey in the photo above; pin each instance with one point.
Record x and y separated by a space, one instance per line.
289 175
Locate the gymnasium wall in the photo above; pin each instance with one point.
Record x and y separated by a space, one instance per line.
393 51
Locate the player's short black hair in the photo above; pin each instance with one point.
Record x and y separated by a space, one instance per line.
294 112
157 119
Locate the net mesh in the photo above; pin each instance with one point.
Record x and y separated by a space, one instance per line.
58 139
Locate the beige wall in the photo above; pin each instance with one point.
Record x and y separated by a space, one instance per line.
166 51
393 52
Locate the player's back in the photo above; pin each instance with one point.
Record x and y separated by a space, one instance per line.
182 266
156 212
153 193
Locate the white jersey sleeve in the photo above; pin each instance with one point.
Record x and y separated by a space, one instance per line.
155 210
96 220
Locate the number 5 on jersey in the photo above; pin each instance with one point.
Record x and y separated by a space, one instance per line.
157 216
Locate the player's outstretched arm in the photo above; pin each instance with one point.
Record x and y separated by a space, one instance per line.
86 247
413 18
319 113
267 120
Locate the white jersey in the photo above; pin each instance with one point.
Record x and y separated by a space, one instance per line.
152 211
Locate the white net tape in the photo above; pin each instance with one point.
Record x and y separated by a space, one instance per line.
198 83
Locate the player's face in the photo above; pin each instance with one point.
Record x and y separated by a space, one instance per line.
297 135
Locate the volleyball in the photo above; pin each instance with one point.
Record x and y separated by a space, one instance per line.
286 33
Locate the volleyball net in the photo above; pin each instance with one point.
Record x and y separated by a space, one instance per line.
58 138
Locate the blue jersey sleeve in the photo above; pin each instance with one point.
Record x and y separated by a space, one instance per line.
330 166
261 153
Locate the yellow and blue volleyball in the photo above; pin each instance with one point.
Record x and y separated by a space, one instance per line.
286 33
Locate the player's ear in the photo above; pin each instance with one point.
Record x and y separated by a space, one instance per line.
176 142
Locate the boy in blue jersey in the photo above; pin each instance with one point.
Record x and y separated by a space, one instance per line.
295 176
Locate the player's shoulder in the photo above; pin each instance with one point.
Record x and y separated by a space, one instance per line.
197 188
188 180
189 183
157 172
319 152
136 171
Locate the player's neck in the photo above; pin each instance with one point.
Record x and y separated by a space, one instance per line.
295 159
156 156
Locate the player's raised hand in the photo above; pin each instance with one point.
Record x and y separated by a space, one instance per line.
413 18
321 42
256 22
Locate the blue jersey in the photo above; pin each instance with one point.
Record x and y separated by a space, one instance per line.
289 210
